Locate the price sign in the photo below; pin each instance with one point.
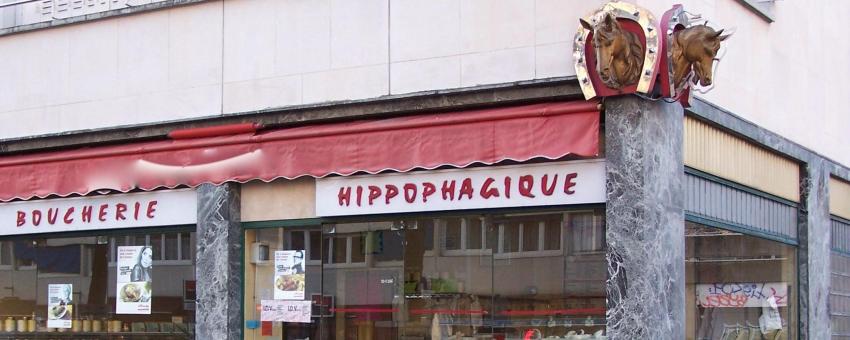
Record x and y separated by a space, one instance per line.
285 311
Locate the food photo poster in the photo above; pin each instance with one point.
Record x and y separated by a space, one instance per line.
60 306
289 275
135 266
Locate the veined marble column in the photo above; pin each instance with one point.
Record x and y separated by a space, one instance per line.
644 219
814 234
219 282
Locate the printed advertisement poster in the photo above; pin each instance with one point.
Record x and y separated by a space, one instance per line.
60 306
742 294
135 266
285 311
289 278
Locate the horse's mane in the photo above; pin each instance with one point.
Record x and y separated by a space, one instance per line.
636 50
634 55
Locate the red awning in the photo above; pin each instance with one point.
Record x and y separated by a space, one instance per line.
551 130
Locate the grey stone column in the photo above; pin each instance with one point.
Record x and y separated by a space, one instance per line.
219 281
814 233
644 219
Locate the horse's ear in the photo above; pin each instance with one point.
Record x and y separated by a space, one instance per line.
585 24
610 19
720 37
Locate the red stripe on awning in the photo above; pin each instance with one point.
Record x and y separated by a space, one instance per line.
458 139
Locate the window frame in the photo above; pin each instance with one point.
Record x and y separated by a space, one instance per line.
541 251
440 224
159 255
348 246
287 237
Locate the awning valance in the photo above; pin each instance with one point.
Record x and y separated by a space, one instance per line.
551 130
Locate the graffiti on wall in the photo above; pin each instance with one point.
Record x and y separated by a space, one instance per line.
741 294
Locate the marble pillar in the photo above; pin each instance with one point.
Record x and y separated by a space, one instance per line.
814 234
219 281
644 219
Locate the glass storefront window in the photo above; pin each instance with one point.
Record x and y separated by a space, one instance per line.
260 276
739 286
29 266
469 277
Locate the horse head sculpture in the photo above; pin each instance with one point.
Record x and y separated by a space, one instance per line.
695 48
619 53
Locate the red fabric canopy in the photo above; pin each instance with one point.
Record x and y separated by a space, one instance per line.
551 130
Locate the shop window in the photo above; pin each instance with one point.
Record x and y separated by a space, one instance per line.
6 253
309 241
538 235
315 252
463 235
530 288
738 286
84 268
387 245
155 242
169 248
452 233
187 246
345 249
356 251
588 230
262 279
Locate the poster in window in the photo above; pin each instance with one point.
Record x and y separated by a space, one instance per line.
289 275
134 266
60 305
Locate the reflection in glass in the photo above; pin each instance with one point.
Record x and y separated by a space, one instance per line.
260 278
405 288
510 230
474 232
737 284
530 235
186 246
88 264
315 252
452 232
170 251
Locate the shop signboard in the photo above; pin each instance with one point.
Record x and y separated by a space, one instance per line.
146 209
289 275
742 294
285 311
134 268
559 183
60 305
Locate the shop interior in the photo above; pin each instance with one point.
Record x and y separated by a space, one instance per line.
739 286
28 266
486 276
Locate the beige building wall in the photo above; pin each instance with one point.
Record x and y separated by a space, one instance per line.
228 56
279 200
719 153
839 198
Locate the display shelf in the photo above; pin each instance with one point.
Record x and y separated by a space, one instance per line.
558 322
442 295
97 335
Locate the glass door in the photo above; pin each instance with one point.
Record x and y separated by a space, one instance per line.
262 282
362 280
447 279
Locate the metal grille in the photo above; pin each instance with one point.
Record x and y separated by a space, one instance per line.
840 239
839 295
727 205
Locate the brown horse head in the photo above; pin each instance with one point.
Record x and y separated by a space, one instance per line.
619 53
696 48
